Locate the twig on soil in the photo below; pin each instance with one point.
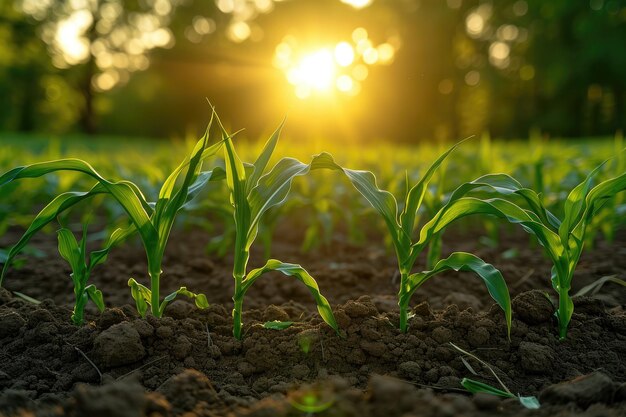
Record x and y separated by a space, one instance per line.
88 360
468 366
482 362
141 367
322 345
524 278
208 335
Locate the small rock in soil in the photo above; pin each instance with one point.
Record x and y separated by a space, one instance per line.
584 391
536 358
533 307
119 345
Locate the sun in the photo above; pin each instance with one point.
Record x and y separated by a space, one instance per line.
314 71
330 70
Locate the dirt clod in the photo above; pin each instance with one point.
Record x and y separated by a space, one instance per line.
118 345
536 358
533 307
584 391
10 324
123 398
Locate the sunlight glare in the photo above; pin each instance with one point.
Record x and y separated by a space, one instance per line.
70 39
358 4
344 54
345 83
339 68
314 71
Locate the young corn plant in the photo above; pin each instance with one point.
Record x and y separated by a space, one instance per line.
252 193
401 228
82 264
563 238
153 221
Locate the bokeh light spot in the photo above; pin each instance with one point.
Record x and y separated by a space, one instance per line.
344 54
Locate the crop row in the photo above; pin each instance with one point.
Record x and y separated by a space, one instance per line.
253 190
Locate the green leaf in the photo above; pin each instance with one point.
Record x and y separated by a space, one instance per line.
261 163
532 403
70 251
462 261
95 295
49 213
277 325
504 209
383 201
272 190
296 271
575 204
507 185
118 236
475 387
141 295
415 196
199 299
236 181
126 194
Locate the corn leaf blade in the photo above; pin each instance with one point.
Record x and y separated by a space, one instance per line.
261 162
463 261
382 201
415 196
296 271
95 295
69 250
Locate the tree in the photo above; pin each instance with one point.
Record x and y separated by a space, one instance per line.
99 43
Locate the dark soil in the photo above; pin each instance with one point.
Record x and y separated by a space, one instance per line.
189 364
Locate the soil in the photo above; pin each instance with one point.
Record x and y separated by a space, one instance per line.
188 363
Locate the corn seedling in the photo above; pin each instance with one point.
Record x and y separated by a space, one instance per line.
82 264
562 238
252 193
401 231
153 221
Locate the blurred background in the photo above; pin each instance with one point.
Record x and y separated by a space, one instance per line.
346 70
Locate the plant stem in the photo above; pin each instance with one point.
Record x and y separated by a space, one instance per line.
79 305
404 308
239 273
563 314
155 298
237 312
